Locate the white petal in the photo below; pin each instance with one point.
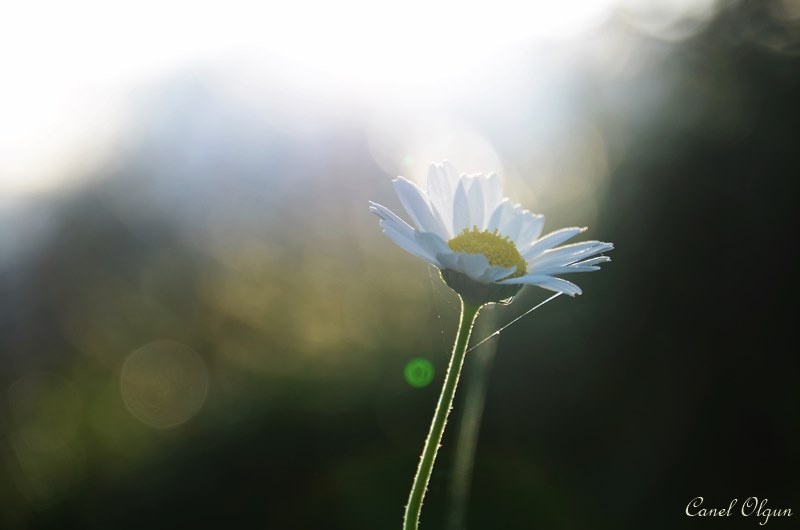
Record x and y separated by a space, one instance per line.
384 213
492 274
548 282
416 204
431 243
451 172
492 195
441 189
401 233
460 209
520 225
531 229
515 221
406 241
588 265
594 261
475 200
473 265
567 269
503 212
568 254
449 260
549 241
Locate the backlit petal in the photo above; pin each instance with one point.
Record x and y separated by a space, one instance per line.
551 283
549 241
460 209
416 204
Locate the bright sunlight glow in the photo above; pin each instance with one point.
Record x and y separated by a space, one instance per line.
70 68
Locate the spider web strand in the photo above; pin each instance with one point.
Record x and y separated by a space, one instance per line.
523 315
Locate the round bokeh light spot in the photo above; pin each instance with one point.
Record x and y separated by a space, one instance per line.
419 372
164 383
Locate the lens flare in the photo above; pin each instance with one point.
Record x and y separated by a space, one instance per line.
419 372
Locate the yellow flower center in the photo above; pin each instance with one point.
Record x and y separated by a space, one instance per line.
499 250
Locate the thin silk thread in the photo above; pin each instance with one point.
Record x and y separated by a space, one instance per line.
437 295
526 313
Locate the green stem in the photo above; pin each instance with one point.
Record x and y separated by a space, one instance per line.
434 439
476 373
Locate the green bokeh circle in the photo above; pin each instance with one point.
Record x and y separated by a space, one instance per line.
419 372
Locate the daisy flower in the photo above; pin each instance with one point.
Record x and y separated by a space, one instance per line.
486 247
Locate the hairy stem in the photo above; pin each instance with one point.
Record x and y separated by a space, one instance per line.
434 439
476 373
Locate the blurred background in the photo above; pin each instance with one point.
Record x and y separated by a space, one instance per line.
202 326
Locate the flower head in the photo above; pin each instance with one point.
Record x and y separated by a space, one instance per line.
486 247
